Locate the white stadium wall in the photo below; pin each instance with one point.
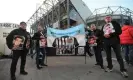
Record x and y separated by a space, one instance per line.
4 31
81 8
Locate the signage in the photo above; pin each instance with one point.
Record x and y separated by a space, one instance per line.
9 25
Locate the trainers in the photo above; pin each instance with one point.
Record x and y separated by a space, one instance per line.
102 67
108 70
39 67
97 64
23 72
124 73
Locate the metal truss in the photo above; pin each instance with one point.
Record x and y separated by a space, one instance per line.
49 12
111 10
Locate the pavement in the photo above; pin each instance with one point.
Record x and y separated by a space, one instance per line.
65 68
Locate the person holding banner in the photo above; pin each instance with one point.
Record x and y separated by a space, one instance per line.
40 47
111 32
87 47
95 41
19 41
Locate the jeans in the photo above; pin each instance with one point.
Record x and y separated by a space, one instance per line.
128 51
117 50
131 54
41 53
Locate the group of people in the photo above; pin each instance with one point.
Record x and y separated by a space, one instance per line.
110 36
19 42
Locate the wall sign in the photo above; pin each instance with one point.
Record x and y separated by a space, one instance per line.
9 25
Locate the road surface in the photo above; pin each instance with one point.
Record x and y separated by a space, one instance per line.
64 68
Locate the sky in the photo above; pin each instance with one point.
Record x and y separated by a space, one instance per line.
15 11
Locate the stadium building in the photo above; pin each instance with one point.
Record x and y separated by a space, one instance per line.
59 14
118 13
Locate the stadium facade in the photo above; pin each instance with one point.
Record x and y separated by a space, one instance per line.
59 14
118 13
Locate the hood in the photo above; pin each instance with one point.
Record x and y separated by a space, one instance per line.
125 27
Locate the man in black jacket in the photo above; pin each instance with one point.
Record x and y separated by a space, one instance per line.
111 31
18 41
40 57
96 41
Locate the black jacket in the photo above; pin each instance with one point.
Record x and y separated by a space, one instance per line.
36 37
114 37
20 32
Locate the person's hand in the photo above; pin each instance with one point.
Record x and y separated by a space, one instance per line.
14 47
95 37
41 36
91 41
106 35
27 46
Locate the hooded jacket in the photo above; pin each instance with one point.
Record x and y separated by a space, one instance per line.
126 37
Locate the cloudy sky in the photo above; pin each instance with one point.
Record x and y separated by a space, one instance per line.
15 11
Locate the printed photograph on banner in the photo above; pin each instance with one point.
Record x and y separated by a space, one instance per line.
28 42
92 41
70 40
70 43
108 28
42 43
18 42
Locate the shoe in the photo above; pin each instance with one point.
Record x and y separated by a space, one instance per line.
97 64
102 67
43 65
39 67
130 64
124 74
108 70
91 55
13 78
23 72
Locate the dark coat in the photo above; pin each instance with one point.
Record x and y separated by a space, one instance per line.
36 37
114 37
20 32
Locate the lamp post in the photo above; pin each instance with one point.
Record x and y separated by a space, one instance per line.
68 10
